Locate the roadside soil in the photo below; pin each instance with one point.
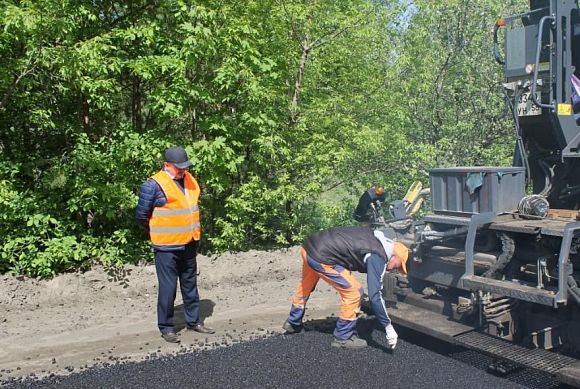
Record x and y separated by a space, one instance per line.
101 317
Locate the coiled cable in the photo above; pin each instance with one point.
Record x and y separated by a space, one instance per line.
534 205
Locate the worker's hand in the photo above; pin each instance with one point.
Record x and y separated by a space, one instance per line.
391 336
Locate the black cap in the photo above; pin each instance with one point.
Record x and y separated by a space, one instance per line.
178 157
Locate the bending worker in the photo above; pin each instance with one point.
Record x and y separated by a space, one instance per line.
332 255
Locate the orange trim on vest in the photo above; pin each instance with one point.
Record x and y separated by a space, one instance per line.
178 221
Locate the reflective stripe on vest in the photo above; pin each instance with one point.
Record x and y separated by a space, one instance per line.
178 221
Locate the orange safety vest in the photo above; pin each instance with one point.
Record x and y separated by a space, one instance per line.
178 221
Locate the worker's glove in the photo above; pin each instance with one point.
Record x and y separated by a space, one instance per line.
391 336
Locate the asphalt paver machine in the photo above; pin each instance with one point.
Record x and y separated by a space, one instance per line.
496 261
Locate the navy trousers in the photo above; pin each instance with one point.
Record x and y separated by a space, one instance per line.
171 266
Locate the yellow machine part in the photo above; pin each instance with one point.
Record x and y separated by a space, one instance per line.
414 198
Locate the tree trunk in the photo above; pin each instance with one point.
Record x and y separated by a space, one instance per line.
137 119
294 109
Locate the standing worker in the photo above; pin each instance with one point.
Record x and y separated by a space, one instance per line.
168 209
332 255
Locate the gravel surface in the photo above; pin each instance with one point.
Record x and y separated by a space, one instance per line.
304 360
98 329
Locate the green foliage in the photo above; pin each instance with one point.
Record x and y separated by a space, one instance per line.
288 110
453 84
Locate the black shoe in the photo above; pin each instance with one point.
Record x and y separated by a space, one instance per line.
201 329
292 328
171 337
352 342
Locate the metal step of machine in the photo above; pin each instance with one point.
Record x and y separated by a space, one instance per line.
564 368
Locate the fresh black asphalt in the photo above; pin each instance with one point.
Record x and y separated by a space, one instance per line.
305 360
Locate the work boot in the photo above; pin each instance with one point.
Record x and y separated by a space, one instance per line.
171 337
352 342
201 329
292 328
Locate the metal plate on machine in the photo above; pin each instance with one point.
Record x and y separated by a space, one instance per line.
526 106
566 369
551 227
511 289
535 358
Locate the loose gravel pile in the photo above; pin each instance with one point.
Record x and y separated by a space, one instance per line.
296 361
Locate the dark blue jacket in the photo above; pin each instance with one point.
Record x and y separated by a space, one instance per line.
150 196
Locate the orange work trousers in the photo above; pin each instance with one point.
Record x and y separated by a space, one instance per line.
341 279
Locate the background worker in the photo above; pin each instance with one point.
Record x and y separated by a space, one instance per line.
168 209
368 202
332 255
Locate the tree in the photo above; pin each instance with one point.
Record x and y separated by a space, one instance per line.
288 109
453 85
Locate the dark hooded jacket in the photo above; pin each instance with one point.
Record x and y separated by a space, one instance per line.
345 246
